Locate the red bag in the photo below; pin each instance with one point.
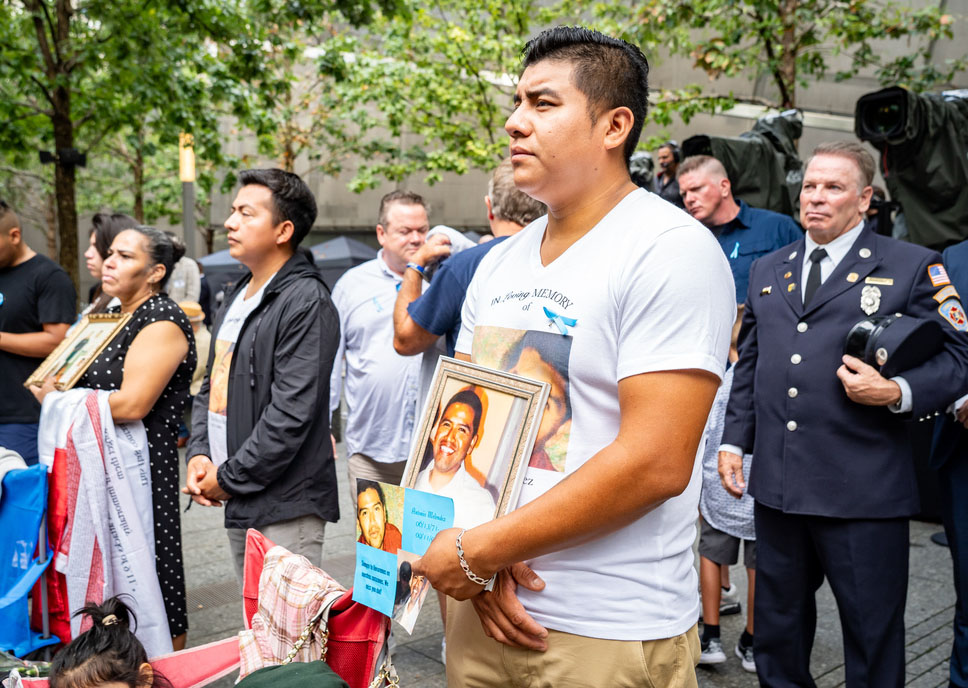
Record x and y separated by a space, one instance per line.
357 635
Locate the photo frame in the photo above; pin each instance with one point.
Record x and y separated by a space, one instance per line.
474 439
78 350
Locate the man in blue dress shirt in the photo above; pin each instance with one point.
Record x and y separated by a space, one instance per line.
745 233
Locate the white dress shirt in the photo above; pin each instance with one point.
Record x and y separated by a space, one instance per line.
381 385
473 504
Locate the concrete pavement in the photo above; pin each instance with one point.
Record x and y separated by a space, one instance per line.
215 610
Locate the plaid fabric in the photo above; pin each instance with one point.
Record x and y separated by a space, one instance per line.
291 592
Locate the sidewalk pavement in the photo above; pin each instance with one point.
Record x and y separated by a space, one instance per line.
215 608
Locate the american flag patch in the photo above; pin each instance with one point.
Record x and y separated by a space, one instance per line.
938 275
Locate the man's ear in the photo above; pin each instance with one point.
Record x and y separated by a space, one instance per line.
620 122
490 213
381 234
866 194
284 232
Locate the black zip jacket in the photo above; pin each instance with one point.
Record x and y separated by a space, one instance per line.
280 463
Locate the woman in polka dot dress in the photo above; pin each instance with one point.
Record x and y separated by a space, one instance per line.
150 364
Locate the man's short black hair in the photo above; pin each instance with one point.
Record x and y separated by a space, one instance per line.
468 398
610 72
291 199
364 485
8 218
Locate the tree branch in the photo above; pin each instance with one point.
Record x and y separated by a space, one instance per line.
50 63
53 32
43 89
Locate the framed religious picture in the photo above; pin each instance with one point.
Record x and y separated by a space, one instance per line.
474 439
78 350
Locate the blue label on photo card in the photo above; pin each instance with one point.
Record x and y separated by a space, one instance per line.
424 515
375 581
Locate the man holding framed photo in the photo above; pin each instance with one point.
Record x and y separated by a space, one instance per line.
634 299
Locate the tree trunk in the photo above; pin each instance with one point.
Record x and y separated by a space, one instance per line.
64 184
138 170
50 230
788 56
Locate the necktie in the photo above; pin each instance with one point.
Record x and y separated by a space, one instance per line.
813 279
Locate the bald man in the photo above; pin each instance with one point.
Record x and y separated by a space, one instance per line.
744 233
37 305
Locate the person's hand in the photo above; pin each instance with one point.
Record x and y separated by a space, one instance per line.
865 385
199 467
41 391
962 414
502 615
731 473
441 565
332 440
434 249
210 488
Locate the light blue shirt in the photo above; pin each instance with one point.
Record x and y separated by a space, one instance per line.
381 385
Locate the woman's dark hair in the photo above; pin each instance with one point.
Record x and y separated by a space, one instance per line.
108 652
106 226
161 249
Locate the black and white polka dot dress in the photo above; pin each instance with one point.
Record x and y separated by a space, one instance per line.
161 425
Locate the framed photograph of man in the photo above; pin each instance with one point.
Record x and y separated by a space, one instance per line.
80 347
475 439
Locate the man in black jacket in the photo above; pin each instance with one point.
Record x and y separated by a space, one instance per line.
260 427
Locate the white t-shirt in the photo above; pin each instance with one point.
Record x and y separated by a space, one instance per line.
218 386
648 289
473 504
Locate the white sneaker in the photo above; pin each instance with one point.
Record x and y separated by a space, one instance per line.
712 652
746 656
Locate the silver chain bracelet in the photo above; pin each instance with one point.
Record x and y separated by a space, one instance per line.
474 578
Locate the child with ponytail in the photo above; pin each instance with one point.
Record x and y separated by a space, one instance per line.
108 655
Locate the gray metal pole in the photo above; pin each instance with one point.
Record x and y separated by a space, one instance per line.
189 232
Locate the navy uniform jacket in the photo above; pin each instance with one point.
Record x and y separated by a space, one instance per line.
816 451
951 437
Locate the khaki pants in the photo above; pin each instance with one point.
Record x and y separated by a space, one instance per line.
571 661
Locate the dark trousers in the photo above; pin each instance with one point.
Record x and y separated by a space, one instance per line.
866 562
21 438
954 512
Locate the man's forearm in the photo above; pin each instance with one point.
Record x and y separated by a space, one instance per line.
618 485
32 344
408 337
597 499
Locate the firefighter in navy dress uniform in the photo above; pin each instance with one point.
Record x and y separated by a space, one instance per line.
949 456
833 477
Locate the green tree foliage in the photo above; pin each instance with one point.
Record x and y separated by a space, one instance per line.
428 91
121 79
795 42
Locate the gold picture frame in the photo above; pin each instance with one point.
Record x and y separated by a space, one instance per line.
80 347
494 450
